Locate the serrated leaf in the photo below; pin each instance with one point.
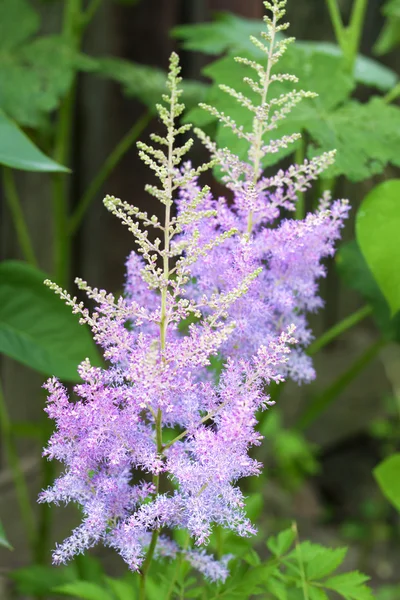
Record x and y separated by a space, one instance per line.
35 74
325 562
316 593
377 227
143 82
276 588
227 32
355 273
3 539
18 152
387 474
280 544
84 590
36 328
350 586
366 137
39 580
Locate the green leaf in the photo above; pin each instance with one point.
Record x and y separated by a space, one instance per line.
39 580
389 37
388 592
366 70
3 539
17 150
36 328
387 474
145 83
85 590
355 273
310 67
325 562
121 588
89 568
280 544
377 230
35 74
366 137
230 33
18 21
316 594
276 588
350 586
227 32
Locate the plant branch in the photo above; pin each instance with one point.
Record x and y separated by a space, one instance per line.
14 204
338 329
356 26
90 12
301 563
109 165
322 401
337 22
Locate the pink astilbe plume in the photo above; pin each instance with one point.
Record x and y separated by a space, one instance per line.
112 439
152 442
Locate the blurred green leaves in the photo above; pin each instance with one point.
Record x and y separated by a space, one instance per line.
377 229
145 83
389 37
36 328
353 269
387 474
227 32
366 136
35 73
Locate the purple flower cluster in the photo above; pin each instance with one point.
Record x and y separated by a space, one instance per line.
289 251
152 442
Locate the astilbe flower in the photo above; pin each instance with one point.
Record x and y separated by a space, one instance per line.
130 479
290 251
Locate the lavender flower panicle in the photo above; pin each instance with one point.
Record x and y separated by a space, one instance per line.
250 294
155 380
286 289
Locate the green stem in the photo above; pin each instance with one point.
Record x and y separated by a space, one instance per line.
21 487
179 562
109 165
392 94
299 159
90 12
155 534
337 22
322 401
146 565
355 30
338 329
14 204
72 30
301 563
